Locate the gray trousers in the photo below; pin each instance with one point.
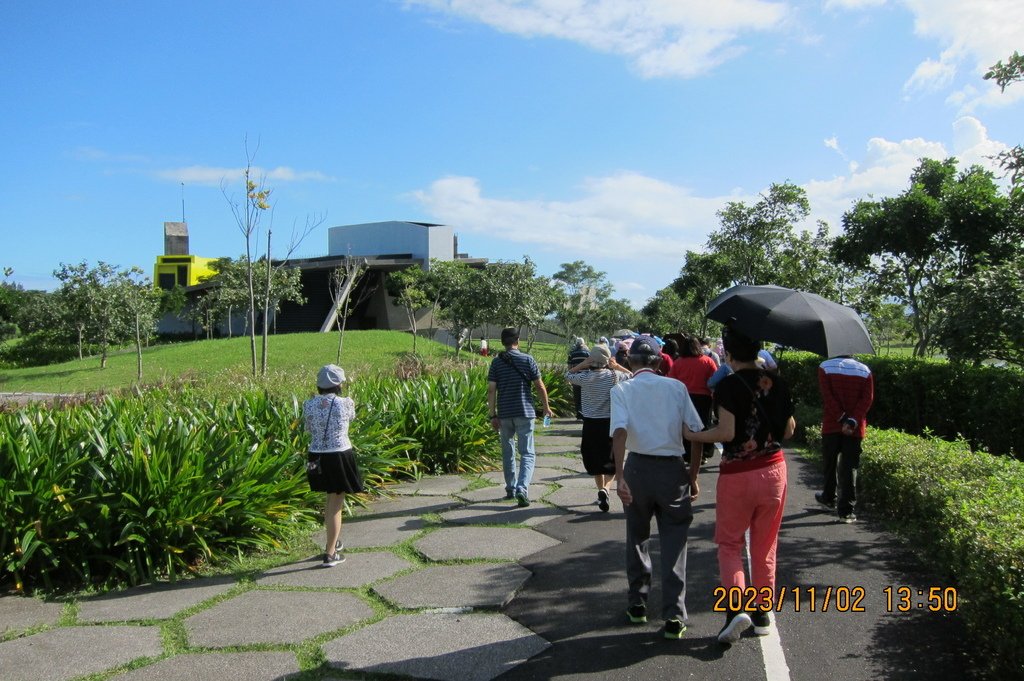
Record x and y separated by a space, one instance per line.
661 488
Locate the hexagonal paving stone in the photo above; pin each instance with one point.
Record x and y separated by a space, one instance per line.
470 647
359 569
274 617
70 652
262 666
571 463
18 613
582 499
502 513
441 485
407 505
579 481
152 601
386 531
549 475
507 543
490 493
481 585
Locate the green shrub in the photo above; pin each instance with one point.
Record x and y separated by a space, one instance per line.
445 415
965 510
132 489
981 404
39 349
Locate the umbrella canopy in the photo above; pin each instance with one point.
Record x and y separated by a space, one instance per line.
794 318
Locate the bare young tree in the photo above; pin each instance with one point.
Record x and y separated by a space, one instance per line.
248 216
344 282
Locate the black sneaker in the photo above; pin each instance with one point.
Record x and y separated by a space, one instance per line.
762 622
735 624
637 613
510 495
522 500
602 500
673 630
332 559
820 498
848 518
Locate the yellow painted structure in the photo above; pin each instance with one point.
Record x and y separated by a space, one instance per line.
181 270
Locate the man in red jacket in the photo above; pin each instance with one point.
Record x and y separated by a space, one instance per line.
847 390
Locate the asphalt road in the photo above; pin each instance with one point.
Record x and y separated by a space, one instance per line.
576 600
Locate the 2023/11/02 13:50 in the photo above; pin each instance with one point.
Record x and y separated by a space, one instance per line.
932 599
834 599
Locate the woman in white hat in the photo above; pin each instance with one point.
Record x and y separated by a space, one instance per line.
331 466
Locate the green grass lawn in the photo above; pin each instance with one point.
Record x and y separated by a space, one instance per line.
293 361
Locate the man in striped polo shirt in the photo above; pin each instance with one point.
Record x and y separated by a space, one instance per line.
510 404
847 391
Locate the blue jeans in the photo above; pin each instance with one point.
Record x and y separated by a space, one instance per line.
517 428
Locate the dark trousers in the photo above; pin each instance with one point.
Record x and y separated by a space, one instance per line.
577 399
842 459
703 404
661 489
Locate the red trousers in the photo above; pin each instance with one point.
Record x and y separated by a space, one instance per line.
751 500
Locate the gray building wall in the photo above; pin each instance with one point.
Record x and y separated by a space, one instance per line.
421 241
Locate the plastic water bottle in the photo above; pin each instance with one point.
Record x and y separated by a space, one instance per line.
547 420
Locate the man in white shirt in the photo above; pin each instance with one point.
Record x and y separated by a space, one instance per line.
647 417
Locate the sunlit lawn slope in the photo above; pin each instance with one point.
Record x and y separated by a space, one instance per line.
293 358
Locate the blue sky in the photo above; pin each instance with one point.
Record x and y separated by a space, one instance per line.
609 131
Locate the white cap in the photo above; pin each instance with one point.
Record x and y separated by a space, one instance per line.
330 376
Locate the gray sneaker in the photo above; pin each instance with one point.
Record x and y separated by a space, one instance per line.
332 559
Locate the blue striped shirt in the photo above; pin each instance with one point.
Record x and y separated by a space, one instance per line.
514 382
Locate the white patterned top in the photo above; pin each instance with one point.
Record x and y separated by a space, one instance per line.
327 418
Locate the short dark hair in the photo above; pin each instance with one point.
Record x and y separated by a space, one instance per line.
509 336
743 348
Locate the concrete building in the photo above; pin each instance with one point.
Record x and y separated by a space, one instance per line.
381 247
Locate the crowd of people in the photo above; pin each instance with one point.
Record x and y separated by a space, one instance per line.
653 410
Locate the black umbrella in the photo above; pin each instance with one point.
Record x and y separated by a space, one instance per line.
794 318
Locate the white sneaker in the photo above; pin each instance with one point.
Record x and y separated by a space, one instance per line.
732 630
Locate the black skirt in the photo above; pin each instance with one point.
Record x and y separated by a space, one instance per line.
596 447
334 472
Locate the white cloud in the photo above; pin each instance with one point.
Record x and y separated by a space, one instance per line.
930 76
976 34
623 216
661 37
886 168
853 4
633 217
214 176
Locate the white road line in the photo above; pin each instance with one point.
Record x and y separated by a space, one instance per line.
775 667
772 655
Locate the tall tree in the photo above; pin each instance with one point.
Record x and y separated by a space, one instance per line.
753 238
347 293
248 216
667 312
916 246
703 276
141 304
407 288
582 290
